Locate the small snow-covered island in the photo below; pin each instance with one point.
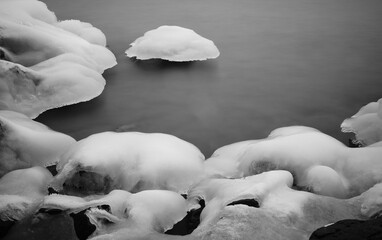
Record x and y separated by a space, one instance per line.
134 185
173 43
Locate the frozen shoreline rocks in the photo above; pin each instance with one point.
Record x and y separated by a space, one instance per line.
318 162
26 143
280 213
45 63
172 43
131 161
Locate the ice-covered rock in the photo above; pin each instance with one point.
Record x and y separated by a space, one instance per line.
172 43
121 215
45 63
366 124
131 161
318 162
25 143
281 212
21 191
47 85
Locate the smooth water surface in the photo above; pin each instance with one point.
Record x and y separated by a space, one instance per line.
282 62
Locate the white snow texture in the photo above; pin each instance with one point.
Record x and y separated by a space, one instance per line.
172 43
46 64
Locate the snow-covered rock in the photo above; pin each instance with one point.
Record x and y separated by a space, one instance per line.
366 124
21 191
127 215
281 212
318 162
172 43
25 143
130 161
45 63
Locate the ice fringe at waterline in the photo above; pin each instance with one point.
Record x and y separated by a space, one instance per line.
366 124
172 43
21 191
319 163
131 161
26 143
46 63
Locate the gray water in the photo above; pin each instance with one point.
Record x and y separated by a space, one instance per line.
282 62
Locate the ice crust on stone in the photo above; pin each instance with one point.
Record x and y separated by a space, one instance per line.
47 85
21 191
130 214
318 162
131 161
283 213
366 124
45 63
26 143
172 43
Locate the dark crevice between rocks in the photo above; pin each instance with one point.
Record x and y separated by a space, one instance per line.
50 211
249 202
52 169
189 223
52 191
82 225
353 143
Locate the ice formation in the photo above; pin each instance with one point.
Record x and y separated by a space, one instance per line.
25 143
131 161
143 213
281 213
45 63
366 124
21 191
172 43
318 162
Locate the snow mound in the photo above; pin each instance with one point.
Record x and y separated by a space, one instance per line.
172 43
366 124
21 191
318 162
130 161
127 214
45 63
25 143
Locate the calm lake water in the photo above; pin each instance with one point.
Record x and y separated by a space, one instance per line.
282 62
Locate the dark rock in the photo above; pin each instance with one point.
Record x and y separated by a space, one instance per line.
4 227
41 226
82 225
350 230
189 223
